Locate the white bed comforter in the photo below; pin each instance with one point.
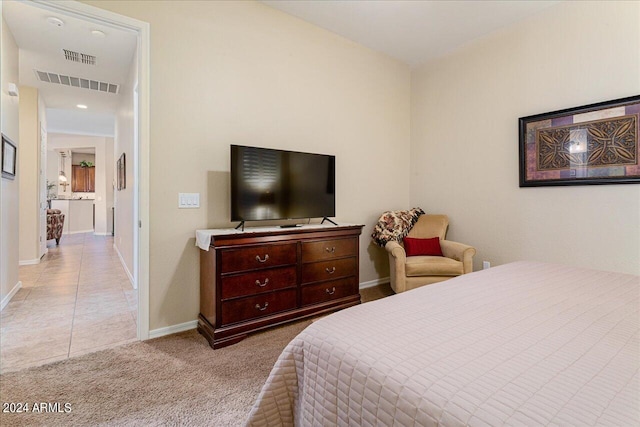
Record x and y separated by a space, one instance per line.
522 344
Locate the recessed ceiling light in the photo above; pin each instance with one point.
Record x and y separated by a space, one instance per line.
84 107
99 34
57 22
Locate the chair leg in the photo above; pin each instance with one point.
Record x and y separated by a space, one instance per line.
57 241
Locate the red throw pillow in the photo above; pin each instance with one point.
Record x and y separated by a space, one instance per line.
414 247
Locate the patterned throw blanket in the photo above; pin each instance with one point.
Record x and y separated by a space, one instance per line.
394 225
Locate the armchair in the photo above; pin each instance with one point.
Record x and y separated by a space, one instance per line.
55 223
409 272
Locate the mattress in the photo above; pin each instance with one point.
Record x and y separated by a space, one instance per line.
521 344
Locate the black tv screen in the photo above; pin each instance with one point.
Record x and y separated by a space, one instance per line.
269 184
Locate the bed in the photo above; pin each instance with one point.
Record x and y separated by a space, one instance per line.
521 344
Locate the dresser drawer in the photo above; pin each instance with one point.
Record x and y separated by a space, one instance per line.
329 270
327 291
257 282
242 309
254 257
329 249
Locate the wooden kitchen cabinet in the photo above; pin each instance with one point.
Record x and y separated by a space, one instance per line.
83 180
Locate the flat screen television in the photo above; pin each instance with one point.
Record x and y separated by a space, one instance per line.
268 184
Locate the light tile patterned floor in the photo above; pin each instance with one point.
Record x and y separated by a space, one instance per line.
77 300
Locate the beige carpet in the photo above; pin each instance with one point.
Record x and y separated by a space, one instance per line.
175 380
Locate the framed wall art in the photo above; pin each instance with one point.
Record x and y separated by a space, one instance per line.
122 172
9 155
592 144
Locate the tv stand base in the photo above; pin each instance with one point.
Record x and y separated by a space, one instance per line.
327 219
241 225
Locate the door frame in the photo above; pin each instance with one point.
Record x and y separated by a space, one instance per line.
141 141
42 191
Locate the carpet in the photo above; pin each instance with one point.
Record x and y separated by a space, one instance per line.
175 380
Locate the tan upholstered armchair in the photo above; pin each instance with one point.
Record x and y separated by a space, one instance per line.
415 271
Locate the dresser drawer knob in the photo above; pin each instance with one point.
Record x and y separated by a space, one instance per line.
330 271
262 285
266 258
266 304
332 291
331 250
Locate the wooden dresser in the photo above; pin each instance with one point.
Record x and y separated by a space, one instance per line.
254 280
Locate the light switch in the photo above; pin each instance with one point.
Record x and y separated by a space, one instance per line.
188 200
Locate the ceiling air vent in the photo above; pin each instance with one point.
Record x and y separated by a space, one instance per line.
83 58
78 82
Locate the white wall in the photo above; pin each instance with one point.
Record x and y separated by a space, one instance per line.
9 195
100 200
53 169
104 186
76 158
243 73
464 142
42 175
124 144
109 163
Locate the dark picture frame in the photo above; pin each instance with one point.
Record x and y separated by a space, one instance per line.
593 144
9 156
122 172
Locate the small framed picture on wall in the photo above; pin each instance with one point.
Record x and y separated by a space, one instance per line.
9 153
122 172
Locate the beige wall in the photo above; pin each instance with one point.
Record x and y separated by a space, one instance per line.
464 149
243 73
29 229
8 189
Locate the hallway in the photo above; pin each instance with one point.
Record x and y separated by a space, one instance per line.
76 301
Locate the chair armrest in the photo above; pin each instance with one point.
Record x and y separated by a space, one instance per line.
396 251
397 259
459 252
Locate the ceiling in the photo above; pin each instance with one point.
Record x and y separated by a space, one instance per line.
412 31
41 47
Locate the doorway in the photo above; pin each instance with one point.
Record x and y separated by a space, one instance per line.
138 179
141 143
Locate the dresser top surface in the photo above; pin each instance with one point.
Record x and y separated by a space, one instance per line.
203 237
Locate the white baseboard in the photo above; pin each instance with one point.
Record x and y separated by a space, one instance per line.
81 231
124 266
10 295
30 262
174 329
375 282
102 234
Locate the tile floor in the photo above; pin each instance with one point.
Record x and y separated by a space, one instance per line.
77 300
